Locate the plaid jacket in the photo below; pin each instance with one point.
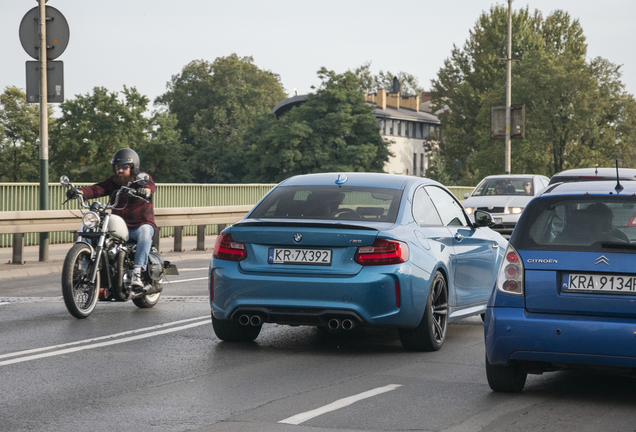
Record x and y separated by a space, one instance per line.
134 211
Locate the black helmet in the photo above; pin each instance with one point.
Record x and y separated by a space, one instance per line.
126 155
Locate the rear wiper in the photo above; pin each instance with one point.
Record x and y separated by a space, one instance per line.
617 245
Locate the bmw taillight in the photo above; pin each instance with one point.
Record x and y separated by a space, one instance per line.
510 278
227 249
382 252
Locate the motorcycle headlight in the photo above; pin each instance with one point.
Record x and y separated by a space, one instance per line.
90 219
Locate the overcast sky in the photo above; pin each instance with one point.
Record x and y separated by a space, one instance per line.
143 43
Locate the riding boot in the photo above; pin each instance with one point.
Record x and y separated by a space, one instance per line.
136 283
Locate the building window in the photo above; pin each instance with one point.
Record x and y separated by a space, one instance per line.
414 163
424 130
399 128
390 127
418 130
421 164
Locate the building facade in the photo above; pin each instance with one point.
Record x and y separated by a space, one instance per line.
411 131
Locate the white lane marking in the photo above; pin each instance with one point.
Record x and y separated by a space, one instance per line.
115 335
3 303
194 269
340 403
183 280
102 344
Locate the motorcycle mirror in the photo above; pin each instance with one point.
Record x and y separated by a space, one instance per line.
64 181
142 179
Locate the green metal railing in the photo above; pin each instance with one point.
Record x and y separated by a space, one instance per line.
26 197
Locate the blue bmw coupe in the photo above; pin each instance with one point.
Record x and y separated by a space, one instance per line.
566 291
338 251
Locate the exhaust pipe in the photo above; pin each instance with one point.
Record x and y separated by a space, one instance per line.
348 324
333 324
256 320
244 320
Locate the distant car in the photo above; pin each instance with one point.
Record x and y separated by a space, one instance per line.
593 174
504 197
566 288
337 251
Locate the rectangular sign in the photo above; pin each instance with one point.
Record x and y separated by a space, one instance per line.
54 77
299 256
517 121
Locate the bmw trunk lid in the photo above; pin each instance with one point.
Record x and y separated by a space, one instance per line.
580 283
302 248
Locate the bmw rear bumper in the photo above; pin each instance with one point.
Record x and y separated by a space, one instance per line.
370 296
515 334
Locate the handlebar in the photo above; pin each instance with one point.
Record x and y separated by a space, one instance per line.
123 189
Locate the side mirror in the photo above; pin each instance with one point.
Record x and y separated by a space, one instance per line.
142 179
483 218
64 181
466 195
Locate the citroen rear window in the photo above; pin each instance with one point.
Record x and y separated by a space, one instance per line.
348 203
590 223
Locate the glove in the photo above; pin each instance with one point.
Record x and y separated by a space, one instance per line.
143 193
70 194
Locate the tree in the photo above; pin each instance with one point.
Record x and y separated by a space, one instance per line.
384 80
332 131
577 112
215 104
94 126
19 137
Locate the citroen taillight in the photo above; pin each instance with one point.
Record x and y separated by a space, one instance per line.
227 249
382 252
510 278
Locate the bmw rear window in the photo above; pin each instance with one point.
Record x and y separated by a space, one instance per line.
348 203
590 223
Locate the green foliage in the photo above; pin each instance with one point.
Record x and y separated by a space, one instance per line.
215 104
384 80
577 112
19 137
333 131
94 126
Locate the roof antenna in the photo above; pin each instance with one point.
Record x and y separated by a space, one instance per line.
619 186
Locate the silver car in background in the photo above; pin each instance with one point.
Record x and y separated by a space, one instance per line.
504 197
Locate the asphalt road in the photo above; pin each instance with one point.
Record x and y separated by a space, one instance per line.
162 369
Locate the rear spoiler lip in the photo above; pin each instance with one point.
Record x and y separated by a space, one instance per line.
306 225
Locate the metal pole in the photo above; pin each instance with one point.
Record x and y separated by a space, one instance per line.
44 131
508 89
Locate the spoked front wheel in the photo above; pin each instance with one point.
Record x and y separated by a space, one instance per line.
80 295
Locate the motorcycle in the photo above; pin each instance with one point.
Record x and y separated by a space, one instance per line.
99 265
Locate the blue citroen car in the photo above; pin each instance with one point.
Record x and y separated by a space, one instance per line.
566 291
338 251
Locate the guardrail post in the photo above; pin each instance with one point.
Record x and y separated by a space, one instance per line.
200 237
156 238
178 239
18 247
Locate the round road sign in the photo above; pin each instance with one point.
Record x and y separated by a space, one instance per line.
57 33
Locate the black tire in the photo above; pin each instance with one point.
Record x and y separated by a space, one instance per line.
118 277
507 379
147 301
430 334
80 296
232 331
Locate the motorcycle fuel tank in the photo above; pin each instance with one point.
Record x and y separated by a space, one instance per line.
118 226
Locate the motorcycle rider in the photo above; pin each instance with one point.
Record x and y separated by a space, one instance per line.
138 214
